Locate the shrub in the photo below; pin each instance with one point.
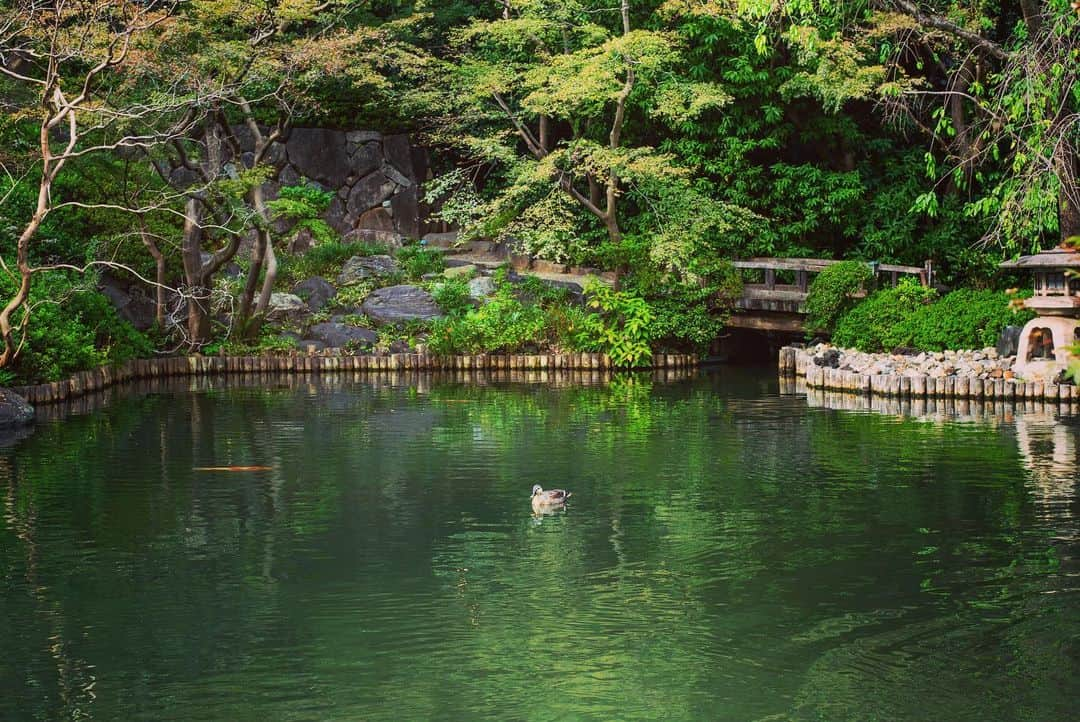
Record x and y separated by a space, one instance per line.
72 328
874 323
832 292
453 297
304 204
620 327
503 325
416 260
963 319
325 259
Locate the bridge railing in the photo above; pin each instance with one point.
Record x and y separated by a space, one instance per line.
804 267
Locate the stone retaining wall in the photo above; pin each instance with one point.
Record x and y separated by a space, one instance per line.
795 362
87 382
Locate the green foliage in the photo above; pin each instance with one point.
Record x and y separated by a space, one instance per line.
831 294
912 316
416 260
963 319
305 205
874 323
504 325
524 314
620 326
268 342
72 328
453 297
325 259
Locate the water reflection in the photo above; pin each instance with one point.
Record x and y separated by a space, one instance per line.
730 553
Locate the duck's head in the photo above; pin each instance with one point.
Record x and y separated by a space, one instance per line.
537 490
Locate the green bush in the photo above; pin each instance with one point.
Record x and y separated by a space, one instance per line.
416 260
874 324
503 325
620 327
304 204
453 297
325 259
832 292
72 328
963 319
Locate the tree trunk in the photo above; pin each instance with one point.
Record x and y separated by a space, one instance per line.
198 291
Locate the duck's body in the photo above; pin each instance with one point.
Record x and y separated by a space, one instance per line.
550 499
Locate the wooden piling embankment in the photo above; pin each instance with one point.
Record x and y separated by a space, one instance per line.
87 382
795 362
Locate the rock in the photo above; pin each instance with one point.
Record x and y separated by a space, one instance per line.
301 242
316 290
1009 340
391 240
14 411
459 271
340 335
285 305
363 136
405 207
398 153
376 219
397 304
132 304
308 345
440 240
481 287
828 359
996 373
395 175
319 154
369 192
365 159
336 216
358 268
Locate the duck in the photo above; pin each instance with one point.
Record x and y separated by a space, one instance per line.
550 499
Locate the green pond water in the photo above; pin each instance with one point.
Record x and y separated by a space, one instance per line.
728 554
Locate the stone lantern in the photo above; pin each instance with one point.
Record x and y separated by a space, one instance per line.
1043 350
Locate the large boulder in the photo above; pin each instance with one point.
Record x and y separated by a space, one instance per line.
286 305
317 290
398 304
398 153
14 410
370 191
365 159
359 268
405 207
319 154
376 219
340 335
132 304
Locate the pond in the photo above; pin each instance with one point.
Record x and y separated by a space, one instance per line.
728 554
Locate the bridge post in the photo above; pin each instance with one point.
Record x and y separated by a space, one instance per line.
770 278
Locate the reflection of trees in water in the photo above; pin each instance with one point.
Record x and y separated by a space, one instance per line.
390 556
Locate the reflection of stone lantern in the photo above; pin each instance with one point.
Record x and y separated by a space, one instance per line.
1043 349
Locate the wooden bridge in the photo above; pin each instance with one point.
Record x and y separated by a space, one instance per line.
778 301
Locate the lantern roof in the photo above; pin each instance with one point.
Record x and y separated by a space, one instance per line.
1060 257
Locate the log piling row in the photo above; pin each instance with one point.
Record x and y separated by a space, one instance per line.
794 362
87 382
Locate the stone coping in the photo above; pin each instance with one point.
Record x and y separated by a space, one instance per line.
794 362
87 382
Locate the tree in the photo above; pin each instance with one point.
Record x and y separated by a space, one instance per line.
554 105
266 65
63 64
993 88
